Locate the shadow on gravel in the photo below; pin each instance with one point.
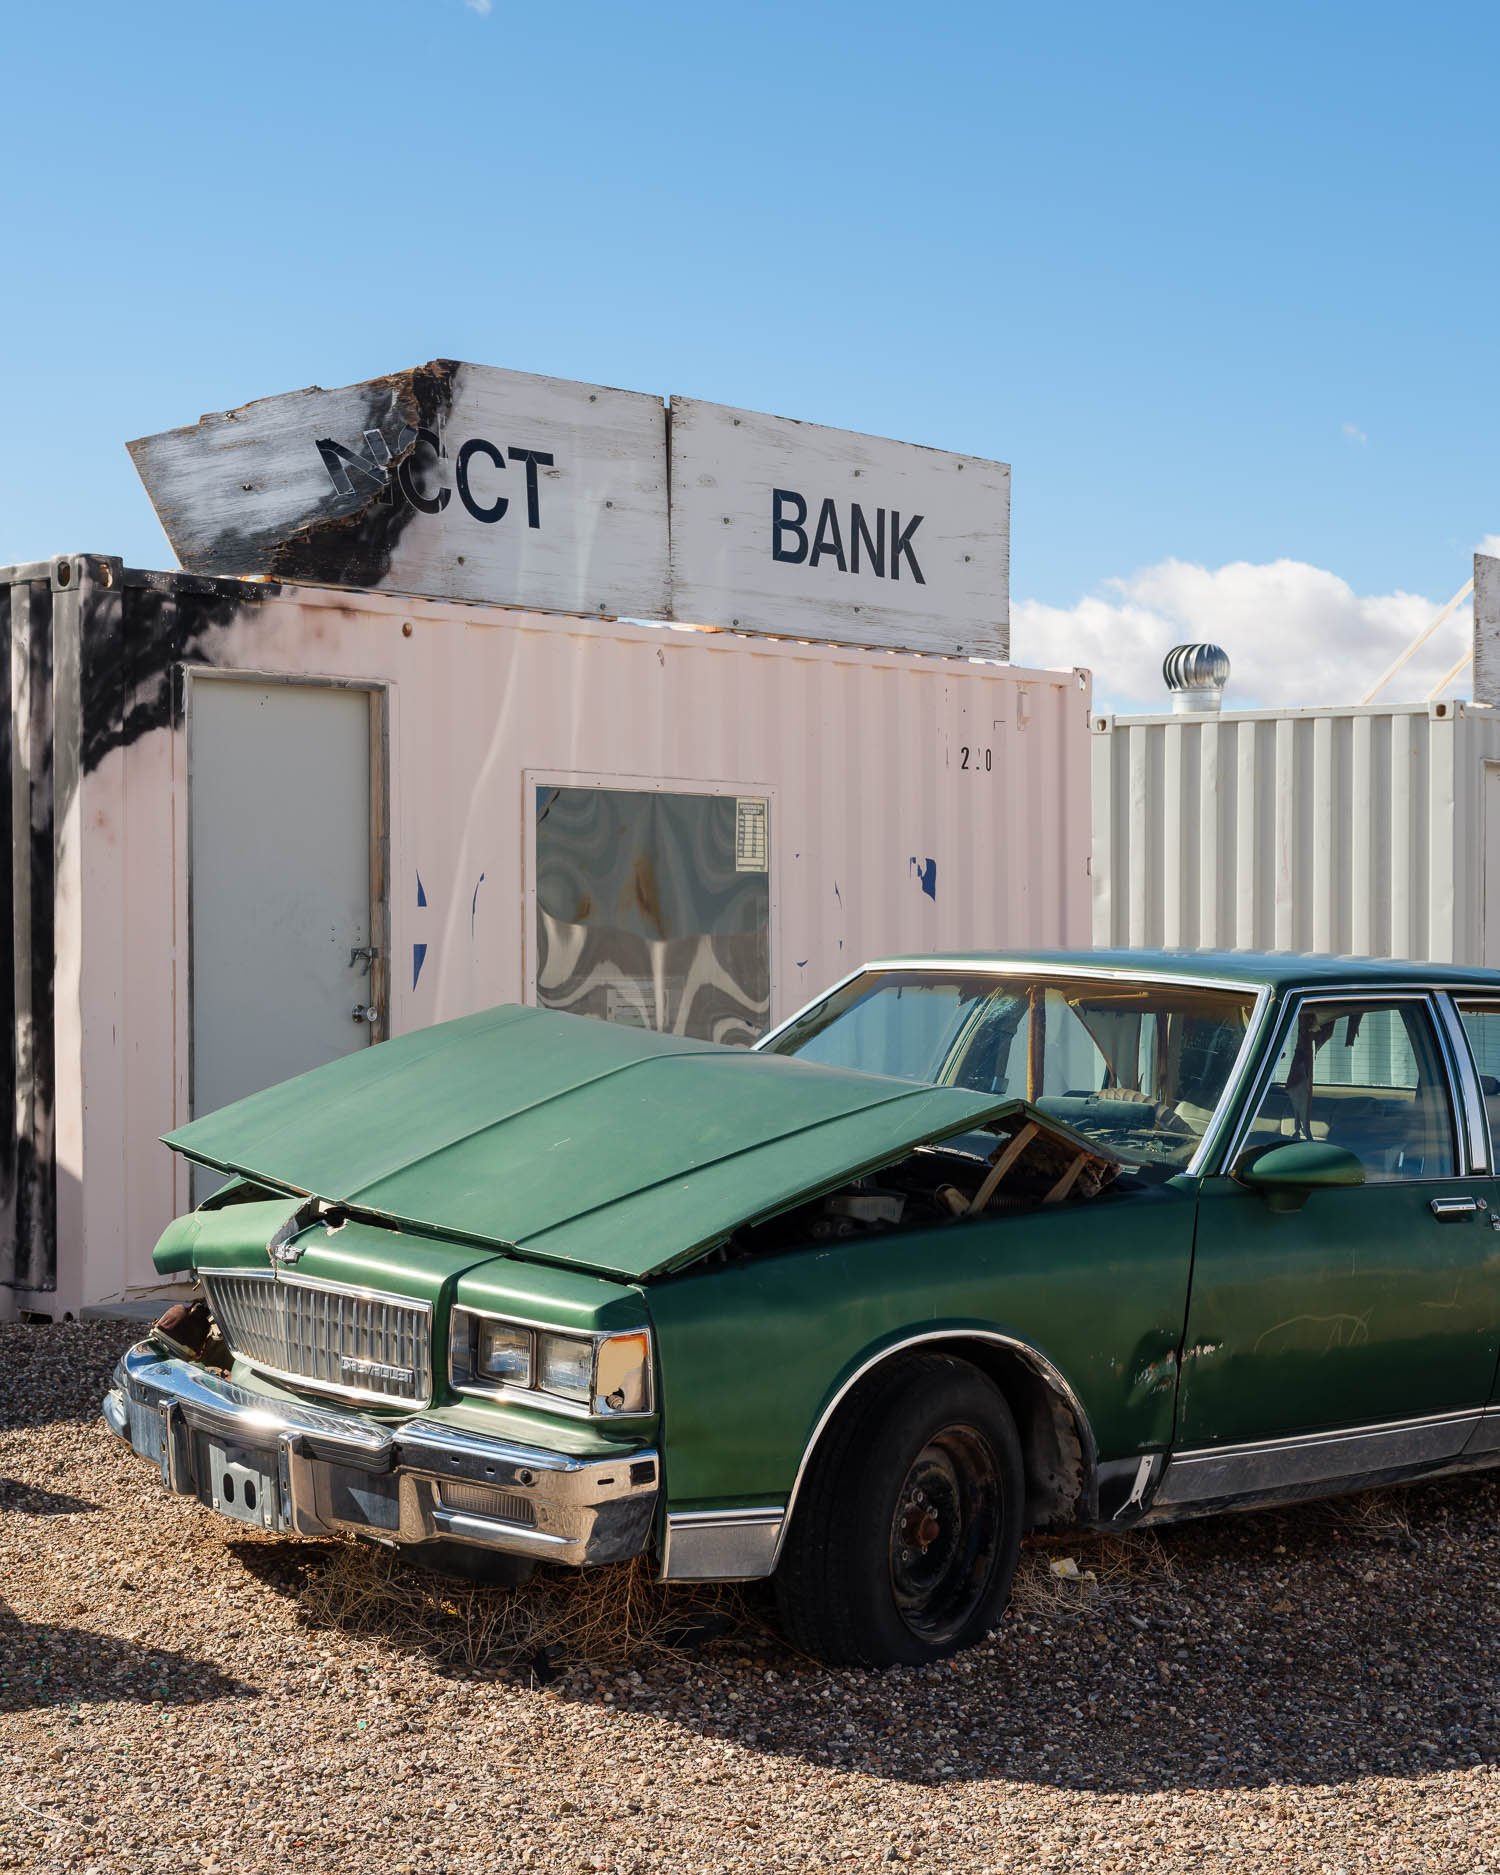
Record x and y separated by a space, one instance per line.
32 1501
1319 1644
42 1665
1349 1639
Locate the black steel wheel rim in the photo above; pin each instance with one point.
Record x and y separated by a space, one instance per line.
945 1533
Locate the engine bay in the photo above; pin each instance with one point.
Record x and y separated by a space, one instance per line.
1023 1163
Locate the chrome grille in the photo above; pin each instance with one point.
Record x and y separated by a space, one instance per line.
356 1342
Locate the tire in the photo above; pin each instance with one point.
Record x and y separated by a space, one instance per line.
905 1534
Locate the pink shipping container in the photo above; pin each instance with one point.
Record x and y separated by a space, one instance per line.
255 826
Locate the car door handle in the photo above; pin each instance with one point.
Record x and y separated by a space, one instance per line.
1453 1210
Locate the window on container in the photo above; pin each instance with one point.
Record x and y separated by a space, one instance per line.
1368 1077
654 909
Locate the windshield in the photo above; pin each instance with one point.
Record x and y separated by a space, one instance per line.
1140 1067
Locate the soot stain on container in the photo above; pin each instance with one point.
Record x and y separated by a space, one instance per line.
134 639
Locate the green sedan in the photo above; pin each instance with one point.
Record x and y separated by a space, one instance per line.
971 1245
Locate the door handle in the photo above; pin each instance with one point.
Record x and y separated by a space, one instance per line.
1454 1210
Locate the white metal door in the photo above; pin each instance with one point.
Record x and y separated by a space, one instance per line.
279 881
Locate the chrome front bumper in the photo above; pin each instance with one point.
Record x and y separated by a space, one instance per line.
281 1465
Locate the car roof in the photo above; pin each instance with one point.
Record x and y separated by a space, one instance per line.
1273 970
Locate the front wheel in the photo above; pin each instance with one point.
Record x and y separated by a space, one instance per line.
904 1538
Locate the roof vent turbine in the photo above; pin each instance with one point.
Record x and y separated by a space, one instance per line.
1195 676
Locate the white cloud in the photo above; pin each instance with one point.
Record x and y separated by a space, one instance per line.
1351 430
1296 634
482 7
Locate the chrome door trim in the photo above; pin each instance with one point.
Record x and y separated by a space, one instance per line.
1208 1146
1036 1361
1426 993
1482 1146
999 966
1206 1474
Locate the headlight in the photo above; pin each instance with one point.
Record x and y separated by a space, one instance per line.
504 1353
565 1365
601 1375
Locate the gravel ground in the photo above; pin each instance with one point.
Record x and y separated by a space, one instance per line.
1316 1689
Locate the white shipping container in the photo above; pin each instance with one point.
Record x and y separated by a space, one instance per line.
1370 831
256 825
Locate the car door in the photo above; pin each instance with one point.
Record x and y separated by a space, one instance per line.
1362 1322
1480 1017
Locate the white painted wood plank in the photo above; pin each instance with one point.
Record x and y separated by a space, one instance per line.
792 528
457 481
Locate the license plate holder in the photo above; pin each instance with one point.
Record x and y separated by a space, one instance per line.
241 1481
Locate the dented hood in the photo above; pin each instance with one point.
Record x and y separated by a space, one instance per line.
573 1141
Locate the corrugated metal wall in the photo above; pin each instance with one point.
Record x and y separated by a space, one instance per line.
1355 831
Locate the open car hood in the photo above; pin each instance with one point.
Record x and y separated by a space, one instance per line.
574 1141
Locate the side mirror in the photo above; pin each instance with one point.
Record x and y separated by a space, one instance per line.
1285 1175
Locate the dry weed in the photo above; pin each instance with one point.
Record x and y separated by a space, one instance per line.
1106 1566
1377 1516
602 1617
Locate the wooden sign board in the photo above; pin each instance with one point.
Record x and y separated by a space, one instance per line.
467 482
460 481
787 527
1486 629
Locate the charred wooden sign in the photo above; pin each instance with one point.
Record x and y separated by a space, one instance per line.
460 481
467 482
788 527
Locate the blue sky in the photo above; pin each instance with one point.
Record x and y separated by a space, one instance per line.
1219 282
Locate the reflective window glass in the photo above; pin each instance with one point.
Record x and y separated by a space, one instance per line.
1368 1077
654 909
1139 1066
1482 1026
